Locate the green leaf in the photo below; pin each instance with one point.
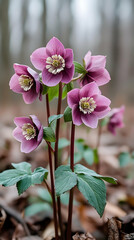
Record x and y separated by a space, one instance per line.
124 159
94 191
36 177
65 199
96 155
67 87
88 155
36 208
45 89
63 142
104 121
80 169
22 176
48 134
53 119
44 195
79 68
65 179
77 157
53 92
79 143
68 114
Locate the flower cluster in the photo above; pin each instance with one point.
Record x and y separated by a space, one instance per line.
56 65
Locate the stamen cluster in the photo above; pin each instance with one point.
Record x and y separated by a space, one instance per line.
87 105
55 64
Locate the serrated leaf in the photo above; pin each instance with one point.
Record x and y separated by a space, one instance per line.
65 179
68 114
36 208
80 169
79 68
94 191
53 92
48 134
36 177
22 176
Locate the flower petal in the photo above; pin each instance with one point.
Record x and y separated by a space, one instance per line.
89 90
87 59
28 146
68 56
67 74
38 58
19 121
17 133
73 97
15 85
98 61
102 114
30 95
36 121
20 69
40 135
100 76
50 79
101 101
76 115
90 120
54 46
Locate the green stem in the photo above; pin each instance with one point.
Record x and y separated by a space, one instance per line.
72 190
52 177
78 77
56 157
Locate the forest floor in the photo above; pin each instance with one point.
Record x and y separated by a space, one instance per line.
118 218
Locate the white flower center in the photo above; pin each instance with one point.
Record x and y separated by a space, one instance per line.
25 82
28 131
55 64
87 105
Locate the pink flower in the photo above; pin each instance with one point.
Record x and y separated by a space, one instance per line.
26 81
29 132
96 72
55 62
116 119
88 105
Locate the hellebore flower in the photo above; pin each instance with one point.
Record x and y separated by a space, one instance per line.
88 105
26 81
116 119
95 68
55 62
29 132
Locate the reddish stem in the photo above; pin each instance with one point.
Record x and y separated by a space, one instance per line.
98 144
56 156
72 190
52 177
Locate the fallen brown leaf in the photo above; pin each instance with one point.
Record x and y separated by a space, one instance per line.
86 236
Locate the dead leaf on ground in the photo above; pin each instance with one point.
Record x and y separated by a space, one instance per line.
85 236
49 232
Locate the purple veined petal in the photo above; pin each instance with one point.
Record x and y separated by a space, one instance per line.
102 78
102 114
40 135
40 93
33 74
90 120
67 74
76 115
68 56
19 121
30 96
15 85
98 61
87 59
20 69
17 133
73 97
28 146
89 90
36 121
85 80
54 46
50 79
101 101
38 58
